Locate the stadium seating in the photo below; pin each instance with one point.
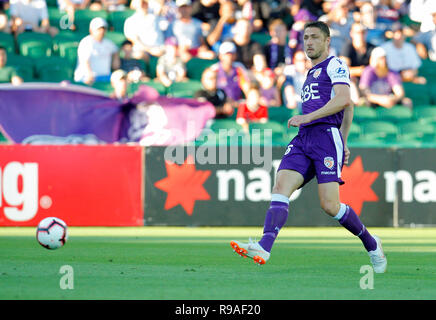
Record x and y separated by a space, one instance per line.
261 37
54 69
55 16
117 19
355 131
117 37
419 130
196 66
417 92
35 45
380 130
23 65
184 89
269 130
7 41
39 57
68 50
281 114
426 114
82 18
396 114
364 113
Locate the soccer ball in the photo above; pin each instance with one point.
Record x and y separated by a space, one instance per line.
52 233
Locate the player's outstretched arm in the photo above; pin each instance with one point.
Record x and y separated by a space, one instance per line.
341 100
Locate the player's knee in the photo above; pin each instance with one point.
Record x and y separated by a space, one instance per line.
330 207
282 189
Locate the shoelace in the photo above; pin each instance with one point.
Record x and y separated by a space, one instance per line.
251 243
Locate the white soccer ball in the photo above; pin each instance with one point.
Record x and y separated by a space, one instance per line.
52 233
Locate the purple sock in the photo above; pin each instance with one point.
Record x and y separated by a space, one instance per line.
352 223
275 219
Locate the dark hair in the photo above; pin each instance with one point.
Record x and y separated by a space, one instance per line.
3 48
320 25
126 42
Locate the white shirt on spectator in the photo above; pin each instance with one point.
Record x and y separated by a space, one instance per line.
403 58
32 12
62 5
146 28
421 11
187 34
99 55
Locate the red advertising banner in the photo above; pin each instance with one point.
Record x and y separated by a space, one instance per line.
82 185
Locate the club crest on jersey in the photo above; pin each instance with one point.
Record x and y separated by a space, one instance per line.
329 162
317 72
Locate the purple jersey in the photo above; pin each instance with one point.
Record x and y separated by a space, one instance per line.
318 88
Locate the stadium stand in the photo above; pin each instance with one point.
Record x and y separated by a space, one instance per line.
40 57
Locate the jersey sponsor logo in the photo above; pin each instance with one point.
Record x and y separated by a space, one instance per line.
340 70
317 72
329 162
310 92
328 172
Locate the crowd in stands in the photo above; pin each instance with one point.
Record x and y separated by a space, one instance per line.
255 47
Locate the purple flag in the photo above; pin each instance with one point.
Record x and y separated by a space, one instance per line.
52 109
35 109
161 121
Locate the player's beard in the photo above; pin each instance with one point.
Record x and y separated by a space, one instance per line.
313 55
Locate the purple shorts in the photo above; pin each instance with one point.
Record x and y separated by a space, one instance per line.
316 150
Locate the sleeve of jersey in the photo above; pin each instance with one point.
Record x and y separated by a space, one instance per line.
338 72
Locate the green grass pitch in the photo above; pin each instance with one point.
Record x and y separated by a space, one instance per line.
198 263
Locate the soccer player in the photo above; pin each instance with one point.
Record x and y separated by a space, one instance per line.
318 150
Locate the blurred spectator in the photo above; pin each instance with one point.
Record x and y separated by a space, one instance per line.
356 51
119 84
339 23
246 48
4 23
222 30
30 15
426 41
70 7
375 31
252 110
170 67
232 76
421 12
166 12
269 92
381 86
313 7
130 65
295 76
113 5
216 96
244 9
207 11
265 11
277 50
259 66
296 33
402 57
96 55
8 73
143 30
189 35
386 13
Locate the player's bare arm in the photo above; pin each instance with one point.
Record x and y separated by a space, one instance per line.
345 129
340 101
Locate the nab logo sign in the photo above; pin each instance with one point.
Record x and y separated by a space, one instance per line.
19 190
